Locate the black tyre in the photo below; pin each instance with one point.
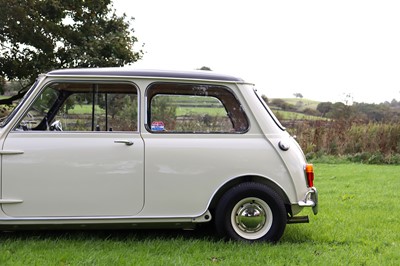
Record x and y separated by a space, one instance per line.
251 212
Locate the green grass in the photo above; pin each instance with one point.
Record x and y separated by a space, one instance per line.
180 111
358 224
287 115
302 103
85 109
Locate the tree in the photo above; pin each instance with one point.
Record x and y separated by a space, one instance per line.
374 112
37 36
2 85
340 110
265 98
298 95
324 108
282 104
394 103
204 68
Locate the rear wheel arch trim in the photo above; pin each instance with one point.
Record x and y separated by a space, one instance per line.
244 179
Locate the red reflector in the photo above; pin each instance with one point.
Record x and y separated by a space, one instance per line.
310 174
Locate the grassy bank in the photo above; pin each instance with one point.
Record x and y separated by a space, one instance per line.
358 224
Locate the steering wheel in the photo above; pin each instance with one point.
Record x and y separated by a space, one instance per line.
56 126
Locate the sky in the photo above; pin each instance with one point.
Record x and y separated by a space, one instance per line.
342 50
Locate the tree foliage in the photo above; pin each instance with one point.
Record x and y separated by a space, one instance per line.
298 95
37 36
205 68
368 112
282 104
324 108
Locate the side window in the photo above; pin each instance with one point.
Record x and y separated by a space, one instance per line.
188 108
83 107
38 111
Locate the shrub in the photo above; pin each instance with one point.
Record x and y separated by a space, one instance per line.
373 143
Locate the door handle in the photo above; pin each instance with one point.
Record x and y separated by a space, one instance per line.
126 142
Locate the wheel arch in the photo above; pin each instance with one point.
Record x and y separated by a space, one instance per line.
249 178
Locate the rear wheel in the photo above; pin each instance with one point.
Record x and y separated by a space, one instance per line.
251 212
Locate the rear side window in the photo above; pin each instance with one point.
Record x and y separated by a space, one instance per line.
194 108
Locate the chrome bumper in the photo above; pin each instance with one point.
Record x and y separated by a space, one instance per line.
310 200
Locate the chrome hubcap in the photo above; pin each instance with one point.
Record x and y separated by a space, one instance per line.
251 218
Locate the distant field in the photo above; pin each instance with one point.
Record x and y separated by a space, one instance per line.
200 111
301 103
286 115
358 224
85 109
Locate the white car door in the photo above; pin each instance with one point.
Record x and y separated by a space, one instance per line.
73 173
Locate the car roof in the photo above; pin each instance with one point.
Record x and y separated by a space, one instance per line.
145 73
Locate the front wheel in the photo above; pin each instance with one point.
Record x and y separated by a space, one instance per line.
251 212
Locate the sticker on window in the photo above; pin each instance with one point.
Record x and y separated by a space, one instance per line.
157 126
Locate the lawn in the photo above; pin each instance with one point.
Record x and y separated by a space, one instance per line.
358 224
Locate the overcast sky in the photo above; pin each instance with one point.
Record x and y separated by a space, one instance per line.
321 49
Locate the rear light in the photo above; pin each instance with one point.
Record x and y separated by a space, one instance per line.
310 174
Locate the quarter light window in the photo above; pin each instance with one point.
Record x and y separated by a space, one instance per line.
194 108
83 107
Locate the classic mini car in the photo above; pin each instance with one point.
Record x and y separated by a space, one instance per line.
133 148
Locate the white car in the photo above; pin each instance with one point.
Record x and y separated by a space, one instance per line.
138 148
